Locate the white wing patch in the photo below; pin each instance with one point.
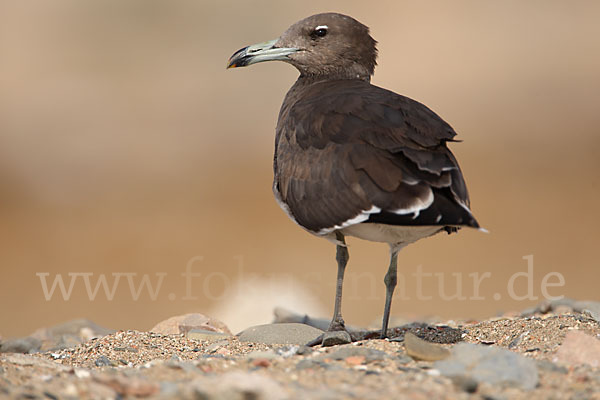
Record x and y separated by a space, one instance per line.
362 216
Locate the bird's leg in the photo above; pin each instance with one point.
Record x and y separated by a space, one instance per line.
337 323
390 281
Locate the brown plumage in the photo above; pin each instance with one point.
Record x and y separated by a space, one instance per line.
352 158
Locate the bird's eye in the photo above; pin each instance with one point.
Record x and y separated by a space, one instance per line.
320 31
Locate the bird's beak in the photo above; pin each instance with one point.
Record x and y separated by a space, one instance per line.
259 53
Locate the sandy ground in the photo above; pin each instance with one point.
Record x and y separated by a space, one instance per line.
145 364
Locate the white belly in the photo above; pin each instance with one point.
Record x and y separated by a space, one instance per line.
392 234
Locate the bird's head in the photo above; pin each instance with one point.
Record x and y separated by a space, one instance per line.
330 44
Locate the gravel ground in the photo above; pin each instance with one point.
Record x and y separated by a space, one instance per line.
144 364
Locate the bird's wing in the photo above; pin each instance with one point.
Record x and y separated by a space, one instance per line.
353 152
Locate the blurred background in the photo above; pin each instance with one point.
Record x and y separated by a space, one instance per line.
127 148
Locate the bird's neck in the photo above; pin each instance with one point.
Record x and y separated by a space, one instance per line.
308 79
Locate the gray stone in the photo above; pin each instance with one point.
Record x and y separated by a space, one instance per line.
206 336
291 333
103 361
26 344
304 350
491 365
335 338
420 349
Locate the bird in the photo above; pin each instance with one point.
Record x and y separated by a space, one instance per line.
354 159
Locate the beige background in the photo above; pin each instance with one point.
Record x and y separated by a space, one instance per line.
125 146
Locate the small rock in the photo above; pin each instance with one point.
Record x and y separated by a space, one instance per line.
579 348
419 349
517 341
304 350
186 322
26 344
491 365
206 336
336 338
103 361
264 355
291 333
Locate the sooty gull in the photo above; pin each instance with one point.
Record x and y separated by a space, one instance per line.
354 159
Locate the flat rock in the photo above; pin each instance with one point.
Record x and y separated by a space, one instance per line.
206 336
289 333
335 338
26 344
488 364
234 385
420 349
25 360
579 348
186 322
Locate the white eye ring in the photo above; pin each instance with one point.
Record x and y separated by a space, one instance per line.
321 27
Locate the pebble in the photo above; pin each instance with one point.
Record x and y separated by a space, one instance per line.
103 361
335 338
491 365
304 350
262 355
286 333
420 349
579 348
